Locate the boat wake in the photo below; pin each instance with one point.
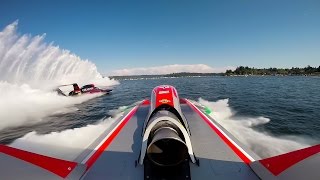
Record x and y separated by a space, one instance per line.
67 144
29 69
70 143
263 144
21 104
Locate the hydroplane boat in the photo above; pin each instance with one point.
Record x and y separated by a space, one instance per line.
87 89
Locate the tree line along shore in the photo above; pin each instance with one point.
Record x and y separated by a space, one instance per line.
294 71
239 71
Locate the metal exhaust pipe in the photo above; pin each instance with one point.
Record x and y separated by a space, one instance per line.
167 148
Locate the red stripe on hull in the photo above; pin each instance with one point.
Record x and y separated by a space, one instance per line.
108 141
278 164
218 132
145 102
59 167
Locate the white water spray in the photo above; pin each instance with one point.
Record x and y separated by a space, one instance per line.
67 144
29 69
262 143
21 104
29 60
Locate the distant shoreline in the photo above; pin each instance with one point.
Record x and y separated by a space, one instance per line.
191 75
173 75
294 71
239 71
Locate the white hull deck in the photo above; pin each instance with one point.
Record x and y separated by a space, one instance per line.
216 159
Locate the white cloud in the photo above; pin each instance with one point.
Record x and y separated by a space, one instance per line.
168 69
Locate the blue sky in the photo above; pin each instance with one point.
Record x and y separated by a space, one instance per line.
129 34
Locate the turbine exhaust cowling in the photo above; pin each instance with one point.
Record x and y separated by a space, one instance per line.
167 148
166 135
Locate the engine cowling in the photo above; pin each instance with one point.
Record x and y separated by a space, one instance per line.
166 146
166 137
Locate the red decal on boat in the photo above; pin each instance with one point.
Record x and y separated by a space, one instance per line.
278 164
237 151
59 167
164 95
108 141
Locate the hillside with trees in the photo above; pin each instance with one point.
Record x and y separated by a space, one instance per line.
294 71
239 71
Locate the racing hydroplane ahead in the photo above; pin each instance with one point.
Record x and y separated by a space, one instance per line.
166 137
87 89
